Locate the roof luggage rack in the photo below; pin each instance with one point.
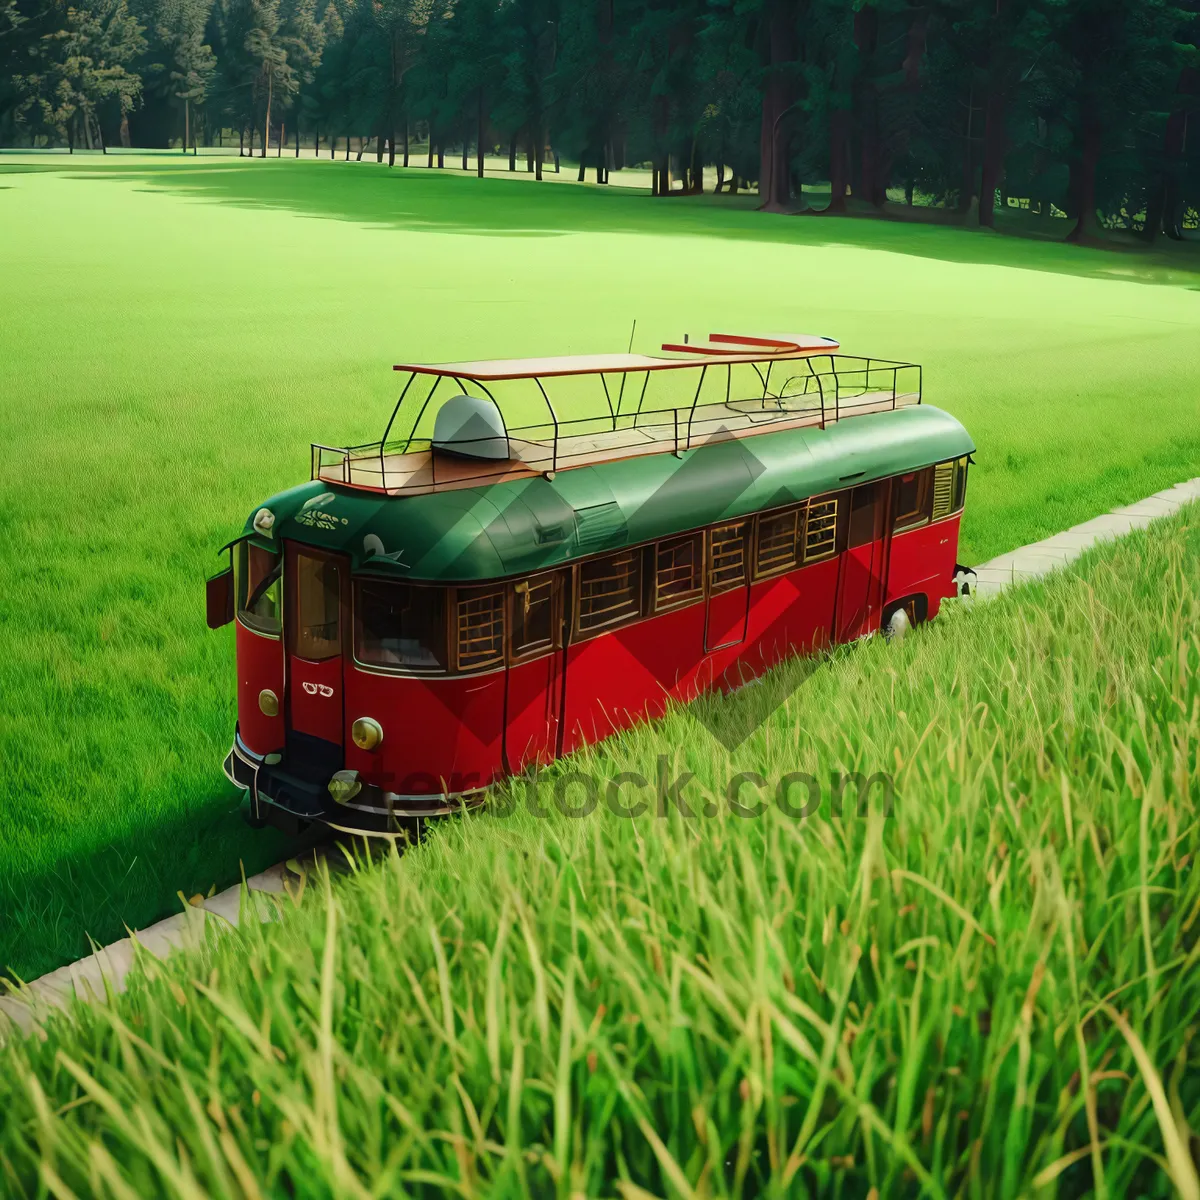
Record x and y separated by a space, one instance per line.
731 386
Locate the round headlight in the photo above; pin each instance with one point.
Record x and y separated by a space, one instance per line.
367 733
264 519
268 702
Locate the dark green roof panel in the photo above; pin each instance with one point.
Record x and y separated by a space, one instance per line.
527 525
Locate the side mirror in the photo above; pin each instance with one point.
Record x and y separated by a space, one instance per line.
219 598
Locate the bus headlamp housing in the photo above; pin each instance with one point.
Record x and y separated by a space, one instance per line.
367 733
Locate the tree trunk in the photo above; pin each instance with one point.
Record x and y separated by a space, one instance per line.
539 154
839 142
733 184
186 126
1164 201
1088 225
479 132
362 141
297 139
582 176
720 177
775 125
528 153
512 153
994 143
872 184
404 161
908 193
282 135
347 148
125 142
100 138
316 143
267 118
441 156
558 167
466 149
241 141
967 195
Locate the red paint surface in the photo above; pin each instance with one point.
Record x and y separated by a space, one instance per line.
922 562
439 734
533 711
315 697
451 734
259 666
727 612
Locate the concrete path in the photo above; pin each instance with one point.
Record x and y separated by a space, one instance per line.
1031 562
89 978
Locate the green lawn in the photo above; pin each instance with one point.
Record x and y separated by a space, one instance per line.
176 332
990 991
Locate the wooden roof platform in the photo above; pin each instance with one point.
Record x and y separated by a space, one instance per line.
723 347
414 472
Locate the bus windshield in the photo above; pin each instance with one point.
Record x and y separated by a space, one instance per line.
257 571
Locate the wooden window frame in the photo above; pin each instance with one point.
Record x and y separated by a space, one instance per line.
800 512
515 591
694 594
578 632
820 502
712 589
484 591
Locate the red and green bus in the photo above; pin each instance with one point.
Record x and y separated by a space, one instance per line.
491 585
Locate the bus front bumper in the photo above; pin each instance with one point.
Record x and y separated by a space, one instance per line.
290 798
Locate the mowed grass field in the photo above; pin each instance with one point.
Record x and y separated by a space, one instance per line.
989 990
175 332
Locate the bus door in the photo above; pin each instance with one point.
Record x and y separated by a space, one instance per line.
536 682
728 603
316 620
863 568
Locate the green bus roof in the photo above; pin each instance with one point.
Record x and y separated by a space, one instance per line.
521 526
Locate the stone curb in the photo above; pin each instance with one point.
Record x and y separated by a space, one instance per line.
1040 558
90 978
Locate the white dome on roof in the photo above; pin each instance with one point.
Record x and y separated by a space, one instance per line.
472 427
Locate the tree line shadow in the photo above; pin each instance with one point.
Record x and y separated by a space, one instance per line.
418 199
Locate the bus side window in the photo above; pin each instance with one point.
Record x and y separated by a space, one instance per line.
678 571
727 556
780 542
479 643
914 499
821 529
960 484
400 625
536 616
610 591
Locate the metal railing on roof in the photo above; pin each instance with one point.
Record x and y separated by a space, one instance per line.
820 390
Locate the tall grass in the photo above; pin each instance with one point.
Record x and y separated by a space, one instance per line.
990 992
164 368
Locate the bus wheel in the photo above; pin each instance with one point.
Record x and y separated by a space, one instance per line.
904 615
898 625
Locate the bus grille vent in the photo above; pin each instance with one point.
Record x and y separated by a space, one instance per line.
943 489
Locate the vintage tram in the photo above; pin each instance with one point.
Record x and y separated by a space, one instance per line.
492 585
